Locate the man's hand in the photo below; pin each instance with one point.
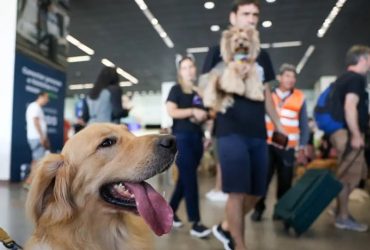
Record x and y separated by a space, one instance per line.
45 142
301 157
357 142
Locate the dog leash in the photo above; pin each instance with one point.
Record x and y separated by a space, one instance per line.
7 241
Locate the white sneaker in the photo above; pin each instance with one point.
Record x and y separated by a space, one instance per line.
214 195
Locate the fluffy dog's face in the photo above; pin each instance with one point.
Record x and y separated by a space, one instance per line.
104 166
240 41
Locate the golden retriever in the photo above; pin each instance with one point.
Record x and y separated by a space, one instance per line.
90 195
237 74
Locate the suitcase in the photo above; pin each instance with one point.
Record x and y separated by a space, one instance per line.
306 200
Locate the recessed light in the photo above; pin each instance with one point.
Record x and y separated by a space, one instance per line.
215 28
267 24
271 1
154 21
209 5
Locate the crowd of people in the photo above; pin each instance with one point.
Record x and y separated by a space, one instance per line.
244 136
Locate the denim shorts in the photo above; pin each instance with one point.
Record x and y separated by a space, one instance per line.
244 164
38 150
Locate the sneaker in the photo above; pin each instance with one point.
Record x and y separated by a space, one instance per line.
214 195
350 224
223 236
177 222
199 230
256 216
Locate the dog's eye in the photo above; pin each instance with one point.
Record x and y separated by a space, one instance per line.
108 142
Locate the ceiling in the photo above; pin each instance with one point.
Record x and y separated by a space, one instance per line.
119 31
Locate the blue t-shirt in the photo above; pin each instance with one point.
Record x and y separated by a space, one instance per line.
245 117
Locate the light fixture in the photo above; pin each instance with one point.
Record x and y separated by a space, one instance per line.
286 44
215 28
197 50
329 20
305 58
267 24
209 5
154 21
127 75
125 84
107 63
74 59
271 1
156 25
81 86
80 45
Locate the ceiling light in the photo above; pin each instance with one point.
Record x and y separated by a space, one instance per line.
329 20
267 24
154 21
125 84
286 44
271 1
127 75
81 86
215 28
74 59
305 58
197 50
107 63
80 45
209 5
141 4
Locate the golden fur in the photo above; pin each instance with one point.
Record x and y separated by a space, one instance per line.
64 201
218 86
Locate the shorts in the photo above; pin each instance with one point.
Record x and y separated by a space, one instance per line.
244 164
38 150
352 165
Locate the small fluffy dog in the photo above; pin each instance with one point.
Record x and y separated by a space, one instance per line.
93 195
237 74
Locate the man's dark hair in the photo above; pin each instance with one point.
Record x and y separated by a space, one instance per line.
355 53
108 76
238 3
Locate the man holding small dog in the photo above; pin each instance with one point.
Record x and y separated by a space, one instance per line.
291 107
241 136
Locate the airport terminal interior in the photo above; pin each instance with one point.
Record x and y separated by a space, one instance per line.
249 119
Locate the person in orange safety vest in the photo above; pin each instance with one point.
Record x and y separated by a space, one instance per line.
291 107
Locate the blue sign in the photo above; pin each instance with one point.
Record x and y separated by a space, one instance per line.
30 78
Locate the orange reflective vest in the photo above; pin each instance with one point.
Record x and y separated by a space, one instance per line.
288 111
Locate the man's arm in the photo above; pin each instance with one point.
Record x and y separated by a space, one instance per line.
351 116
303 126
43 138
271 111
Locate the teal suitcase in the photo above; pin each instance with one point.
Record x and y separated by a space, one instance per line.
307 199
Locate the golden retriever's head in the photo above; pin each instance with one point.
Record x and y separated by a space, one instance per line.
103 168
240 41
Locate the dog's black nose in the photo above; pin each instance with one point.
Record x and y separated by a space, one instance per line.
167 142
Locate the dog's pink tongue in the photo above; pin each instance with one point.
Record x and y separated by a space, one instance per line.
152 207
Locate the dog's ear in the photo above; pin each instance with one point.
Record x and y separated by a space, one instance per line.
49 195
254 49
226 50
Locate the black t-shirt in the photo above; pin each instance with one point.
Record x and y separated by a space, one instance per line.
245 117
351 82
183 101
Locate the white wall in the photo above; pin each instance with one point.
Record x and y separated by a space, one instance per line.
8 17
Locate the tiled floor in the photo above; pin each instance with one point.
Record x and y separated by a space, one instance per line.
267 235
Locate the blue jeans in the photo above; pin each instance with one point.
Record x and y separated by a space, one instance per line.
190 151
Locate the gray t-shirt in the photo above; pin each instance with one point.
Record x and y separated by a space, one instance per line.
100 109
